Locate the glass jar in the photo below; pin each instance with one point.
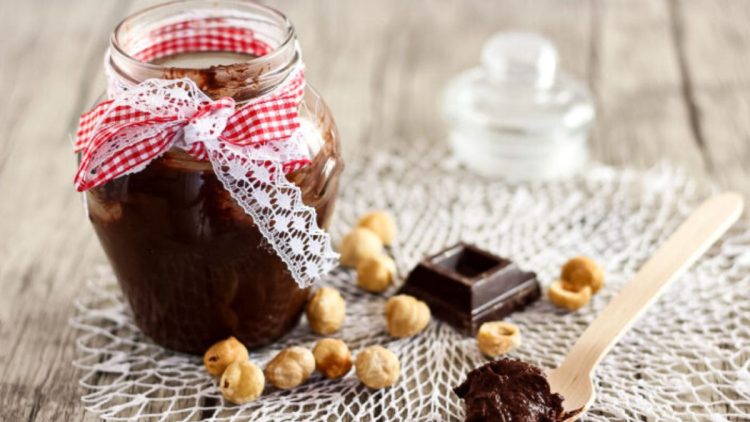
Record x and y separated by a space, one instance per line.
517 115
192 265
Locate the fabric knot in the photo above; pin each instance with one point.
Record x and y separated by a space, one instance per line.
208 123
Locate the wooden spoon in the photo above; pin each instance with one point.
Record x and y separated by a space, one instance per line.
573 378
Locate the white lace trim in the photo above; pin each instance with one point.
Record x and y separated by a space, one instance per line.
260 187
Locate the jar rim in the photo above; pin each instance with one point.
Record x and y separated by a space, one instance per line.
286 45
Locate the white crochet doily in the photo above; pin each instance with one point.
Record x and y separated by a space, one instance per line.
688 358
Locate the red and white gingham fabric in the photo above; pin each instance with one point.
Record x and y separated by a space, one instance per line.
210 34
270 118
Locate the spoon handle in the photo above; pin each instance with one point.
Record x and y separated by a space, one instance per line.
702 228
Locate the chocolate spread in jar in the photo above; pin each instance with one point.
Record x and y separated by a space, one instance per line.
192 265
509 390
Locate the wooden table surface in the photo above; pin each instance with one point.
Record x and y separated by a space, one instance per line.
671 80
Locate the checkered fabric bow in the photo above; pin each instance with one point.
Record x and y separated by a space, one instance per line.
124 134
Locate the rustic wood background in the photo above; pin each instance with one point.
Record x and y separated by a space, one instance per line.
671 79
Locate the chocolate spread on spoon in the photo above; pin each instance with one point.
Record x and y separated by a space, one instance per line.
510 390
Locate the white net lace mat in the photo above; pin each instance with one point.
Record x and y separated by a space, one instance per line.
688 358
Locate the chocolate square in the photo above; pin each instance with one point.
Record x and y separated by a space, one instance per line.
466 286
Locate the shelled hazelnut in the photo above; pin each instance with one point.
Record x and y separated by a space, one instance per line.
375 273
332 358
381 223
221 354
377 367
242 382
497 338
325 311
406 316
562 294
583 271
290 368
358 244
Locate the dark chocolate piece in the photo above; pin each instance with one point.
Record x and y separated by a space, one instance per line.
509 390
466 286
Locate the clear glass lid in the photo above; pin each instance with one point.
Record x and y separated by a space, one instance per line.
518 87
517 105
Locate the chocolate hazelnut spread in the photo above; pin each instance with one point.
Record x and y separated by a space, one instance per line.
192 264
509 390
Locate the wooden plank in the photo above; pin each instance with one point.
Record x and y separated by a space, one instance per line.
670 79
44 252
712 39
637 80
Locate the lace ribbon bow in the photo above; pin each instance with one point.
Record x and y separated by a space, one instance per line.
250 148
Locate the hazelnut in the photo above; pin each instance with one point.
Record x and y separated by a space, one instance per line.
381 223
562 294
242 382
498 338
583 271
332 358
406 316
375 273
290 368
377 367
358 244
221 354
326 311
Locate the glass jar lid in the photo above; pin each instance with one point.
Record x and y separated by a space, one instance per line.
517 103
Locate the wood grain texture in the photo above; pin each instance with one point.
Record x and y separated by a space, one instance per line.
670 79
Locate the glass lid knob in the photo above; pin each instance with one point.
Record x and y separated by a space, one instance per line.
520 57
